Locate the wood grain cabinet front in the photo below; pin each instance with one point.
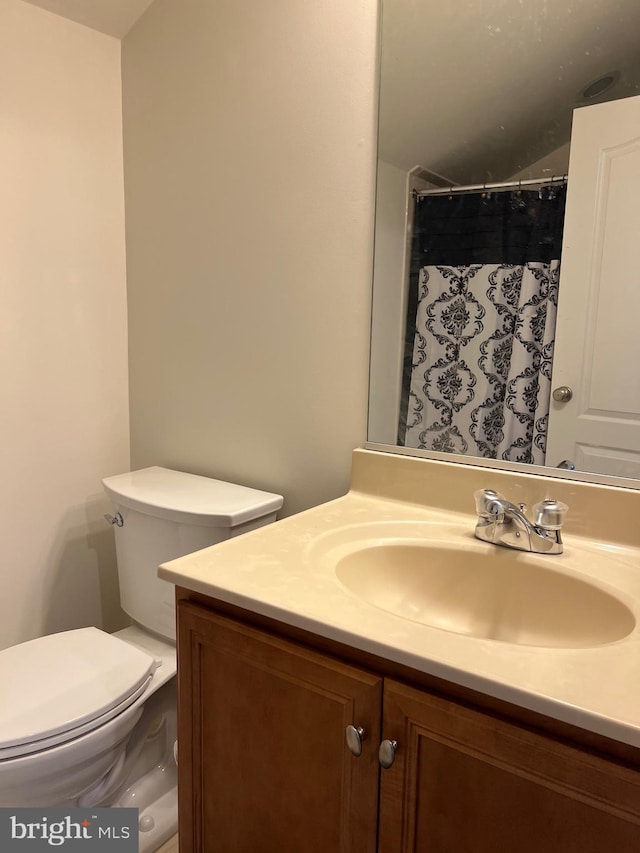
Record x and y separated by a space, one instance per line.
468 782
265 767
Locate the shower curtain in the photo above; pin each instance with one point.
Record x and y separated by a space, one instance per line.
481 323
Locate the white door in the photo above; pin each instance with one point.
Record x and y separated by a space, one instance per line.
597 351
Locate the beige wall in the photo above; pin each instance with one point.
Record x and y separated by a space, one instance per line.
63 337
249 133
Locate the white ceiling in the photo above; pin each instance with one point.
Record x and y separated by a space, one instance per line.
113 17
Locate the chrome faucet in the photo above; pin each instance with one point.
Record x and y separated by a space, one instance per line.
503 523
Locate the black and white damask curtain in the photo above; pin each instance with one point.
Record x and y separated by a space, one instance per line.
481 323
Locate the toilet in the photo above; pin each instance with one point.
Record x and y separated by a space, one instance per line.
90 719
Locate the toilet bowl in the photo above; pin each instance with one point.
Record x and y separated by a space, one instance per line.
89 691
89 718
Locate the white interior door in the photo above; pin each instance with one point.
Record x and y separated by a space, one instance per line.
597 352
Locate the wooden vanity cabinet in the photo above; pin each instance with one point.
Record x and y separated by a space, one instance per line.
467 782
264 766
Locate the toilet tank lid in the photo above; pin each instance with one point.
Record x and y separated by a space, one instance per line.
189 498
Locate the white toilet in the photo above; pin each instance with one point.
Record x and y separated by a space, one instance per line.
89 718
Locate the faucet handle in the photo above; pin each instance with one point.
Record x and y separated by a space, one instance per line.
488 504
549 514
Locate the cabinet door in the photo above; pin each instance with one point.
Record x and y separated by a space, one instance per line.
464 782
263 762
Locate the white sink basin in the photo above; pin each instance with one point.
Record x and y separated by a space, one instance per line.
497 594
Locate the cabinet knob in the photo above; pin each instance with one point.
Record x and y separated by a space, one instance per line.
355 736
387 753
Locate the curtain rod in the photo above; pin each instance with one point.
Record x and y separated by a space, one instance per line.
509 185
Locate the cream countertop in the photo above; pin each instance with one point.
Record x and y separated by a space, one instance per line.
286 571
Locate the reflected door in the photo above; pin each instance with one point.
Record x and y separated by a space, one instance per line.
597 351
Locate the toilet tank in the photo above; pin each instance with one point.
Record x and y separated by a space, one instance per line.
159 515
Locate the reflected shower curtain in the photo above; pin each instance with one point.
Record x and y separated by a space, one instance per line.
481 323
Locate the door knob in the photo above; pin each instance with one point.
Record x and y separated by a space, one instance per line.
387 753
562 394
355 736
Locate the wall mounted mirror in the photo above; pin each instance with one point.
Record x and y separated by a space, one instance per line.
505 299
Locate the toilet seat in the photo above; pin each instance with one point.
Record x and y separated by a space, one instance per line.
58 687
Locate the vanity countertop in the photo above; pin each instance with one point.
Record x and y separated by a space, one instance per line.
286 571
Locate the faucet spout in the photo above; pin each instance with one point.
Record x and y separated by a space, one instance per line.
504 523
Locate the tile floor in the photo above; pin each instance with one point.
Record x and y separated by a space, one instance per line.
170 846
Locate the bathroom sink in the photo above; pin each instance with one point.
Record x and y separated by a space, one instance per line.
499 594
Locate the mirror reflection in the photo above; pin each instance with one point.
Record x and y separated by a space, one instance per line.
499 282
